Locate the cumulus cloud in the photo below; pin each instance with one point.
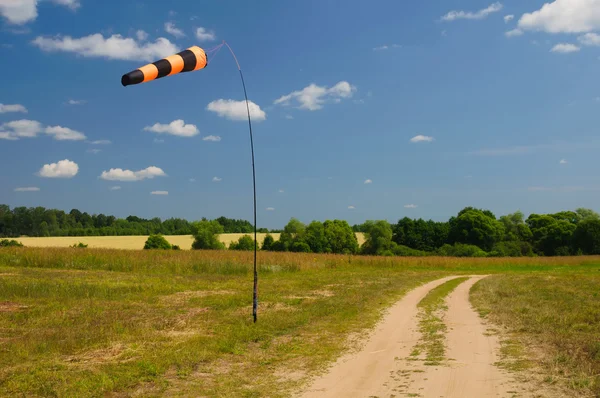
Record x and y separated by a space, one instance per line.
563 161
204 35
313 97
159 193
565 48
64 133
20 129
564 16
368 181
192 180
217 179
421 138
141 35
481 14
95 151
173 30
281 191
236 110
113 47
513 33
270 209
27 189
76 102
590 39
20 12
176 127
128 175
12 108
72 4
101 142
62 169
411 206
386 47
114 188
508 18
351 207
212 138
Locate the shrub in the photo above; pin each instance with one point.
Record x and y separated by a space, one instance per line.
206 234
268 242
175 247
10 243
245 243
461 250
300 247
157 242
512 249
405 251
79 245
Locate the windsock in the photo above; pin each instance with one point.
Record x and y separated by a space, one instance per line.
194 58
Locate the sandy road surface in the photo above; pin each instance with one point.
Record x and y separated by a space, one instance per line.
383 367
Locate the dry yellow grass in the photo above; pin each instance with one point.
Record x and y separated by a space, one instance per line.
134 242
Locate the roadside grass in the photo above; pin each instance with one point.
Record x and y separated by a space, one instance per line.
553 324
431 324
95 322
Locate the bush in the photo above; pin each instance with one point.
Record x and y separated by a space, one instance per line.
175 247
79 245
512 249
206 234
245 243
405 251
268 243
461 250
300 247
157 242
10 243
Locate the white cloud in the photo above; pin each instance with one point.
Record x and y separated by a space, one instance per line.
508 18
141 35
114 47
481 14
217 179
128 175
386 47
176 127
422 138
513 33
444 33
76 102
281 191
236 110
27 189
95 151
20 129
12 108
19 12
114 188
101 142
159 193
64 134
171 29
204 35
590 39
192 180
270 209
212 138
411 206
564 48
564 16
351 207
289 117
368 181
313 97
158 141
62 169
563 161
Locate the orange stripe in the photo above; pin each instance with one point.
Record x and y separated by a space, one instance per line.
150 72
200 57
176 63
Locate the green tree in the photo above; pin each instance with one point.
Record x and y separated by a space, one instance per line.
314 236
515 228
157 242
340 237
551 235
587 214
476 227
267 243
292 232
587 236
206 235
244 243
378 236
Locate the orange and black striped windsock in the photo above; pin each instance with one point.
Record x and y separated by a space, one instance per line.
194 58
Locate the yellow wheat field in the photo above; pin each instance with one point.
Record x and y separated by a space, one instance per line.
134 242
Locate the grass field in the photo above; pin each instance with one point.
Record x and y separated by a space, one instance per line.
135 242
91 322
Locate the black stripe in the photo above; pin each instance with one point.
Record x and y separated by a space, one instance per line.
163 66
189 60
133 77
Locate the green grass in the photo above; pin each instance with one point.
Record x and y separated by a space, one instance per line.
92 323
553 322
431 322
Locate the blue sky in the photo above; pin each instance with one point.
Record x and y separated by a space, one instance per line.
370 110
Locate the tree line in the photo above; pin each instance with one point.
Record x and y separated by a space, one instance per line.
39 221
471 233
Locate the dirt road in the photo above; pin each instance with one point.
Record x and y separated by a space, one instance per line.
384 368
